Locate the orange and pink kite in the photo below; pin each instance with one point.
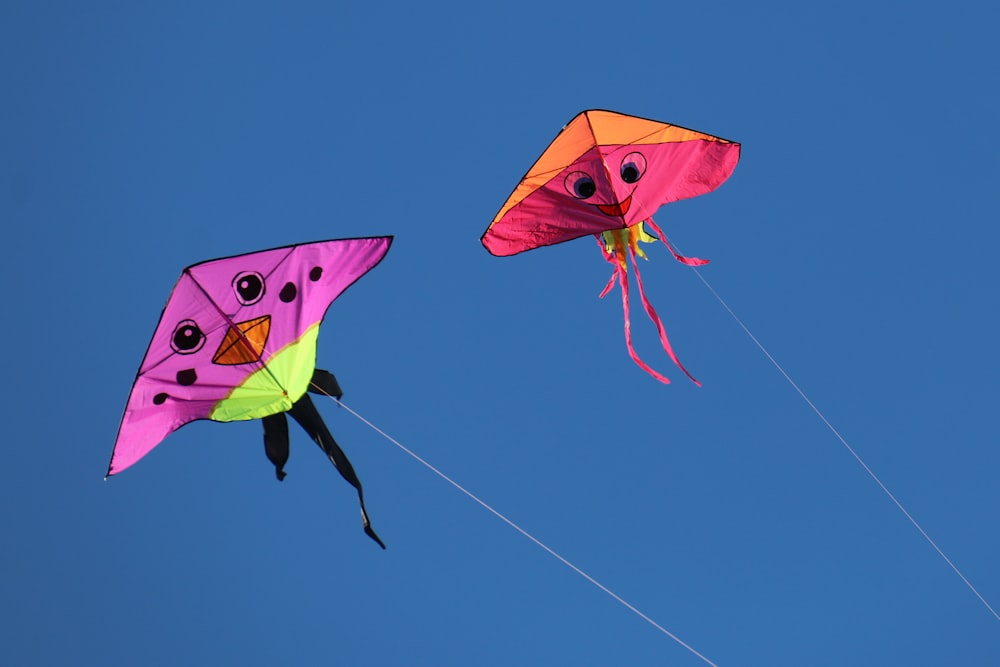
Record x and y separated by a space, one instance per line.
605 174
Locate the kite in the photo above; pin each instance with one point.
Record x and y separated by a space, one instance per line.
605 174
237 341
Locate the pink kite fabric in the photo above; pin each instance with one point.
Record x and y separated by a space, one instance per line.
237 339
605 174
556 213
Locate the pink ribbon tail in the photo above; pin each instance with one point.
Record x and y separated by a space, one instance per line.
651 312
611 283
690 261
622 276
623 279
610 258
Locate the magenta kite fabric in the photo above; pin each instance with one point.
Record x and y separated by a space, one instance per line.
237 339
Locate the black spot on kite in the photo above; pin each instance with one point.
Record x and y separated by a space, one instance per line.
160 399
316 273
187 377
288 293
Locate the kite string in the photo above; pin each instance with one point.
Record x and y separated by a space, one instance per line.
526 534
843 441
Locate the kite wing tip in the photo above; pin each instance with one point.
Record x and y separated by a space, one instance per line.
493 247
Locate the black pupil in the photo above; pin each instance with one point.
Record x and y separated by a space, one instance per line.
630 174
249 287
187 337
585 188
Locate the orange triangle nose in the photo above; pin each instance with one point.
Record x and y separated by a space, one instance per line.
244 342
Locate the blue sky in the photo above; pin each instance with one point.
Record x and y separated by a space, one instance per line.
856 239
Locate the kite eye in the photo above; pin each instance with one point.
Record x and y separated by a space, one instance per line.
249 287
188 338
633 167
580 185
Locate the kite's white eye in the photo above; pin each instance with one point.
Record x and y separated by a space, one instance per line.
188 337
633 167
249 287
580 185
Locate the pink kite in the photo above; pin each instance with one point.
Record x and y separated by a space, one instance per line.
605 174
237 341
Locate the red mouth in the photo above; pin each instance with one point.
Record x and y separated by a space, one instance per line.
618 210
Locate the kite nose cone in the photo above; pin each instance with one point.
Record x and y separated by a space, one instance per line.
244 342
619 209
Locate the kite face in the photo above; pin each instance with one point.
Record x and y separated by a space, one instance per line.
237 339
606 174
607 171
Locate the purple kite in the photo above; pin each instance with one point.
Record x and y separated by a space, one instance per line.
237 341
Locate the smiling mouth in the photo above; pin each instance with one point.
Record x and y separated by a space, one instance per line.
618 209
